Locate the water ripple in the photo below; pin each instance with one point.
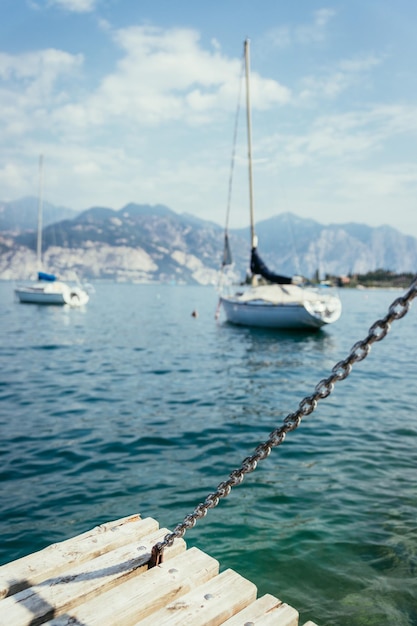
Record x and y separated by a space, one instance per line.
135 406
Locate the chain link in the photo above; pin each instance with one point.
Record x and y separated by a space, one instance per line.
323 389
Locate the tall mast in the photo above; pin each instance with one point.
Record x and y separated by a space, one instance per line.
40 208
249 131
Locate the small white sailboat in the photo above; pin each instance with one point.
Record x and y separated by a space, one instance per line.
280 302
48 290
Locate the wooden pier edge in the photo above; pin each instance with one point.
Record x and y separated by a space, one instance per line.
101 578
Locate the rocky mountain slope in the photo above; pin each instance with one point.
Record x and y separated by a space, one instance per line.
154 244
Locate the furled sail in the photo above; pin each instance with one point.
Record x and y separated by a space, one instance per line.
227 254
257 266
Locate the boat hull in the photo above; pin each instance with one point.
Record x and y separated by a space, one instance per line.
286 308
28 296
57 294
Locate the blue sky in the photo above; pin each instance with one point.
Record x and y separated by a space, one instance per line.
135 101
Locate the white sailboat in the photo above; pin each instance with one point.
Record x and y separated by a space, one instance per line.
48 290
279 303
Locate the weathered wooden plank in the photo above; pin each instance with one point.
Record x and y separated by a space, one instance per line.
285 615
58 557
209 605
57 595
101 578
265 611
137 598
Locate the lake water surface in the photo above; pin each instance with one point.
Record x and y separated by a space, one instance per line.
133 406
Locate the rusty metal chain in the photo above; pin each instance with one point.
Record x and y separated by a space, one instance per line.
323 389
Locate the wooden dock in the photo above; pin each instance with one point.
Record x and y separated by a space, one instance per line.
101 578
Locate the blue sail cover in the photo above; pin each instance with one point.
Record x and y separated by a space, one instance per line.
257 266
49 277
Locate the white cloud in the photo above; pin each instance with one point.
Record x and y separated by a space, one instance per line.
355 136
305 34
389 180
281 37
12 178
75 6
333 81
316 31
355 166
166 76
31 87
361 63
156 126
80 137
46 64
163 76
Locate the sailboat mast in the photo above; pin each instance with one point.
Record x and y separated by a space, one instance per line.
249 131
40 210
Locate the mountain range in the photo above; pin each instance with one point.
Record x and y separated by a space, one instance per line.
153 243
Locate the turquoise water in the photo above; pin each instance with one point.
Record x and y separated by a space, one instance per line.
132 405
